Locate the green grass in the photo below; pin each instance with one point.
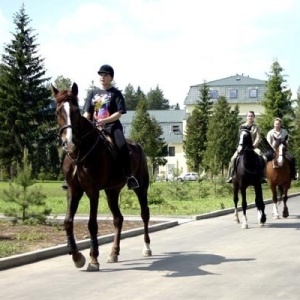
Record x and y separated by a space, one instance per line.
165 198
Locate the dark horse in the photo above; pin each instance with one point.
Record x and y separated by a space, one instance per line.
90 165
279 177
248 173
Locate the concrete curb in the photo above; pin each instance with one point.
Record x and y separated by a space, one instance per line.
34 256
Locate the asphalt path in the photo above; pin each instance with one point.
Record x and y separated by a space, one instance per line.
211 258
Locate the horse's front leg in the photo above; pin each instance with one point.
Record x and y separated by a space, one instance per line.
113 203
73 201
260 205
244 209
275 202
141 193
236 200
285 211
93 229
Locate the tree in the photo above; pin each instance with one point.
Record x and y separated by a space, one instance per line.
26 118
130 97
156 99
28 201
277 101
294 144
147 132
62 83
194 143
221 136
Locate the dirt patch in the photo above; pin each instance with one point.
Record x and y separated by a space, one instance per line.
17 239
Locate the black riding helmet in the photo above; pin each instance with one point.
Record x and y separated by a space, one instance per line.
107 69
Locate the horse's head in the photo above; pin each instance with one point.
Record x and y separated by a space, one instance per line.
280 150
67 110
245 140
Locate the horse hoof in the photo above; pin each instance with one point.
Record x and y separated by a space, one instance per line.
112 259
80 261
93 267
245 226
147 252
275 217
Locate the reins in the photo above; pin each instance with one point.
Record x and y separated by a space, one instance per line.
79 160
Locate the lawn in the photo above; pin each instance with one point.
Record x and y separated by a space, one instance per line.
165 198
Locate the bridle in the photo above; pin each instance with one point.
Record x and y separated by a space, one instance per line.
79 159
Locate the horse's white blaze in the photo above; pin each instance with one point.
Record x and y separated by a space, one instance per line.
69 129
280 155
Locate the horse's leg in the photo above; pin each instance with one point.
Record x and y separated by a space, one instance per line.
285 211
236 200
93 229
260 205
145 215
244 208
113 203
275 201
73 198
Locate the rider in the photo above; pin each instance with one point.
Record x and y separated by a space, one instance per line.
105 106
280 133
255 135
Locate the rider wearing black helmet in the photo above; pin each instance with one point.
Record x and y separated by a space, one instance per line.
105 106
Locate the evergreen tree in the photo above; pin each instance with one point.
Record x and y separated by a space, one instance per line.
28 201
147 132
277 101
294 143
26 117
221 136
62 83
156 99
194 143
130 97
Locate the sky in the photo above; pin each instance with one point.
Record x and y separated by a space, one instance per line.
171 44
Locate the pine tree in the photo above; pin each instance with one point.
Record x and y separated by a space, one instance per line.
221 136
156 99
130 97
147 132
26 118
27 201
277 101
62 83
294 142
194 143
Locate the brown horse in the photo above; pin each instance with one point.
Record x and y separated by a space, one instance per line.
278 173
90 165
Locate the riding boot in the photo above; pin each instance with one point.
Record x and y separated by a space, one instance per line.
132 182
230 173
64 185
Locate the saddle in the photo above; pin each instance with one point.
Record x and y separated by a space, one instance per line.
108 142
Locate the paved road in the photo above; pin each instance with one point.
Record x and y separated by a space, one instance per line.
205 259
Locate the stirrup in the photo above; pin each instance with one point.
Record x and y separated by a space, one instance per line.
229 180
132 183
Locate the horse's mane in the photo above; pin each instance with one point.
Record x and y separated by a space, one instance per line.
266 149
67 94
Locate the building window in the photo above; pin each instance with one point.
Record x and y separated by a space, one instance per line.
176 129
214 94
171 151
233 94
253 93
